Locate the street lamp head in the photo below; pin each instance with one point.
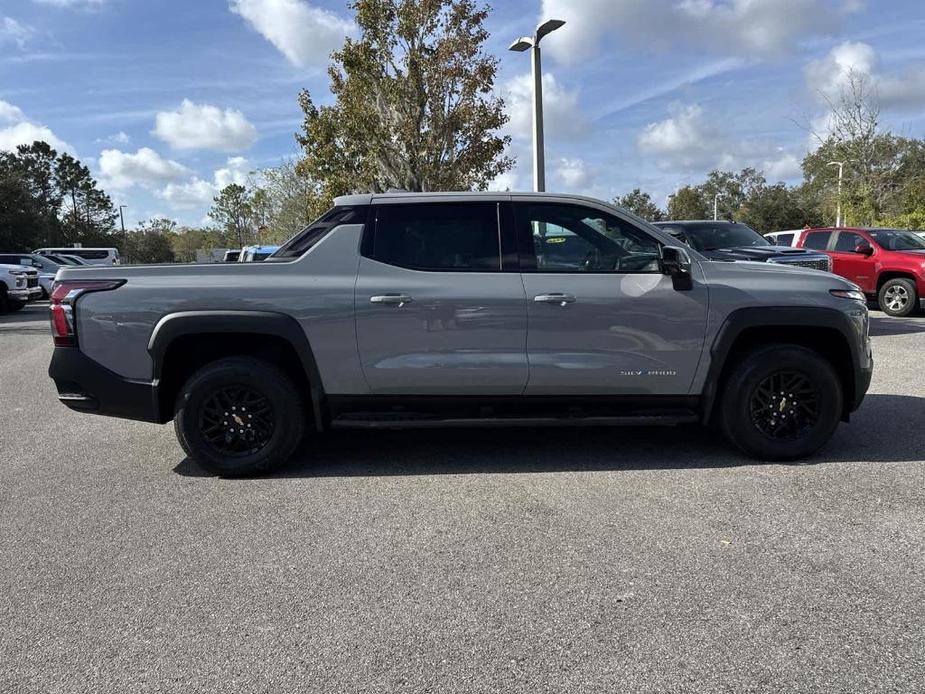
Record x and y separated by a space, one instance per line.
547 27
522 44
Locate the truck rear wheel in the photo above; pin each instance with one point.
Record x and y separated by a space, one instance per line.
239 416
781 402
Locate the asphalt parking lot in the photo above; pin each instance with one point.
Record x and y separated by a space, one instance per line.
521 560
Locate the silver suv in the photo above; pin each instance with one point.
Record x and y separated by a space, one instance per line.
451 309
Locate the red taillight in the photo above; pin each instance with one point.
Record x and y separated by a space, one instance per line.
63 296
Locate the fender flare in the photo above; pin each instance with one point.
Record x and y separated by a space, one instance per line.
183 323
742 319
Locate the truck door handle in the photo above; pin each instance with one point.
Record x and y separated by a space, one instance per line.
561 299
392 299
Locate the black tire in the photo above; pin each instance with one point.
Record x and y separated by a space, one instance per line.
240 445
898 297
4 301
781 402
14 305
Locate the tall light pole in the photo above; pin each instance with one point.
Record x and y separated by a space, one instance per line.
716 206
520 45
122 221
841 168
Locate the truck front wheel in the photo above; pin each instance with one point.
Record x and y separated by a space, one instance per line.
781 402
239 416
898 298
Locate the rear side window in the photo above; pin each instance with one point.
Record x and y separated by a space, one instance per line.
302 242
781 239
817 239
437 236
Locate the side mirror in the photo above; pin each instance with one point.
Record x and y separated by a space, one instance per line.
864 249
676 263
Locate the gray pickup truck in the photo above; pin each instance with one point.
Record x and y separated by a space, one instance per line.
478 309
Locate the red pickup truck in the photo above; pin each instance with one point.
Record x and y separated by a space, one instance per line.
887 264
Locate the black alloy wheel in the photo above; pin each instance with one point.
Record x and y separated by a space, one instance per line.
237 421
784 405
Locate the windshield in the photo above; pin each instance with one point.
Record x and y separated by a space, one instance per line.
897 240
712 237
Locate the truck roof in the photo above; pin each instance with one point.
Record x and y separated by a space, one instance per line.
454 196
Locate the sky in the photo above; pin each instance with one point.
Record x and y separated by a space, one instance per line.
168 101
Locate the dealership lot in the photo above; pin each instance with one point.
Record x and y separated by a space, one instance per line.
519 560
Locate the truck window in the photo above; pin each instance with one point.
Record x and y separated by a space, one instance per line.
569 238
817 239
302 242
437 236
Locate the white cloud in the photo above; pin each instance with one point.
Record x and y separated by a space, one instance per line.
690 139
783 167
119 138
10 113
509 180
145 168
201 126
306 35
750 28
562 115
19 130
574 174
827 76
13 32
685 137
198 192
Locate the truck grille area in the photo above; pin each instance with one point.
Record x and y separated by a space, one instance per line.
32 281
818 264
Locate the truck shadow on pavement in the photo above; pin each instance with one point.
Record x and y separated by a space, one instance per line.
887 428
33 318
881 324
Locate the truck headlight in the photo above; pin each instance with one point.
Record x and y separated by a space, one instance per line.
852 294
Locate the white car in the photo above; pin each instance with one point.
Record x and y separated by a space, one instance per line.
93 256
18 286
46 267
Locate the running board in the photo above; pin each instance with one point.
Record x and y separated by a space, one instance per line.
404 421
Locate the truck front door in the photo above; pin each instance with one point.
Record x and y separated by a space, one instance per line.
602 318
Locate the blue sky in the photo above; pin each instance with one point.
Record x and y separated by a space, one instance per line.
169 100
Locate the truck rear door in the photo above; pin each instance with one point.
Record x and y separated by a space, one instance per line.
436 313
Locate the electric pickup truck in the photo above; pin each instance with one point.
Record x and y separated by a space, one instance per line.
463 310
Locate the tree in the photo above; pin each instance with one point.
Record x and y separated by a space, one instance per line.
185 242
232 210
641 204
414 104
87 212
51 199
777 207
733 190
688 203
294 201
151 242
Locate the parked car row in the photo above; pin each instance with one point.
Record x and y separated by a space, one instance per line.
887 264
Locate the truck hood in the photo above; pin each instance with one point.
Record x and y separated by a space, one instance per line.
747 269
760 254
